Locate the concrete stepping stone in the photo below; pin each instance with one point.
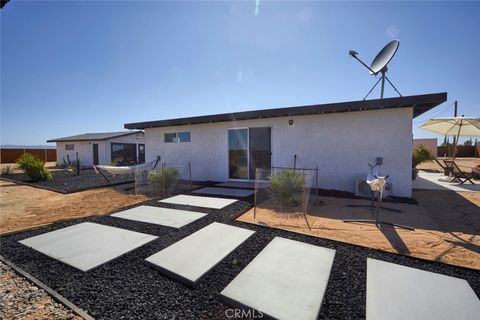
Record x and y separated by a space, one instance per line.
87 245
398 292
225 192
162 216
189 259
204 202
286 280
237 184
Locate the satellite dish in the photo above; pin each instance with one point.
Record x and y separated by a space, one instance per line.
379 65
384 56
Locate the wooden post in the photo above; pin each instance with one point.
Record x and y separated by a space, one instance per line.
78 164
305 201
190 174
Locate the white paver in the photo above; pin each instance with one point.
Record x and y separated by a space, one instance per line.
162 216
87 245
396 292
225 192
287 280
204 202
237 184
436 181
193 256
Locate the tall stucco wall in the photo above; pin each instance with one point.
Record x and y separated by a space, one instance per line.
85 149
341 145
429 143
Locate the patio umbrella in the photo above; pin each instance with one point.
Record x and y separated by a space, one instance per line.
454 126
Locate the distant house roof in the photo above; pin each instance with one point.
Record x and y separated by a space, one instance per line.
419 103
95 136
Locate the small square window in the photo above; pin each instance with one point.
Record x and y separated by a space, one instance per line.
177 137
69 147
170 137
184 137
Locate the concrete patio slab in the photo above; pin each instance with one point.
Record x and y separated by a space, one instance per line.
396 292
204 202
87 245
237 184
225 192
162 216
287 280
432 181
195 255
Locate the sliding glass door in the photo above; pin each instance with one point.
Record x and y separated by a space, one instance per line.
238 153
248 149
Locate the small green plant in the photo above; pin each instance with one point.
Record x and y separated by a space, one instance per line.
164 177
421 154
6 170
286 185
34 167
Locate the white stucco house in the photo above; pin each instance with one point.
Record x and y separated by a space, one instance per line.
340 138
125 147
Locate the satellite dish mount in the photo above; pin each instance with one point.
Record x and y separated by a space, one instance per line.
379 65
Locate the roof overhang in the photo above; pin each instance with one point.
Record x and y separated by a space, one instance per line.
419 103
93 137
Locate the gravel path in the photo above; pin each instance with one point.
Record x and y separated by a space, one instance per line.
67 182
128 288
19 299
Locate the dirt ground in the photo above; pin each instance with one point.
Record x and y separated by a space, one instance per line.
447 225
465 164
23 207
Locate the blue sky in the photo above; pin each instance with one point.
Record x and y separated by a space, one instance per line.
73 67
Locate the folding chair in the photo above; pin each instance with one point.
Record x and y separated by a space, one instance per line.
446 170
457 172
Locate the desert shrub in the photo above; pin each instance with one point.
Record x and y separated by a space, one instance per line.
286 185
34 167
163 177
6 170
69 166
421 154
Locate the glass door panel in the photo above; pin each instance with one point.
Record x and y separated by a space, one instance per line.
238 153
260 149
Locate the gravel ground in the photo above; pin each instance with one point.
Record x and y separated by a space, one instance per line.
19 299
64 181
128 288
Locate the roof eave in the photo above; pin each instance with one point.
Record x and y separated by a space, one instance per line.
420 104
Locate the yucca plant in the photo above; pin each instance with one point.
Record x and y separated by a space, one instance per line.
6 170
286 186
34 167
164 177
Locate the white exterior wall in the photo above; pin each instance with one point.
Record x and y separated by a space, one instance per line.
340 144
85 149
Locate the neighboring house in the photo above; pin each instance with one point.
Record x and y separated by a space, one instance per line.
125 147
429 143
340 138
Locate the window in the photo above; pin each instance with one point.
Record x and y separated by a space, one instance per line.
124 153
69 147
177 137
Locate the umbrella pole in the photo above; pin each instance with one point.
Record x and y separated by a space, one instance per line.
456 141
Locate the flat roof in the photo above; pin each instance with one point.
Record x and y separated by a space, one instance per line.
95 136
419 103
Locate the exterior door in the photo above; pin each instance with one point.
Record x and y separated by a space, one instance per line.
238 153
248 149
141 153
260 149
95 154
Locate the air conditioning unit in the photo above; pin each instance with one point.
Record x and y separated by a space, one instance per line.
362 189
